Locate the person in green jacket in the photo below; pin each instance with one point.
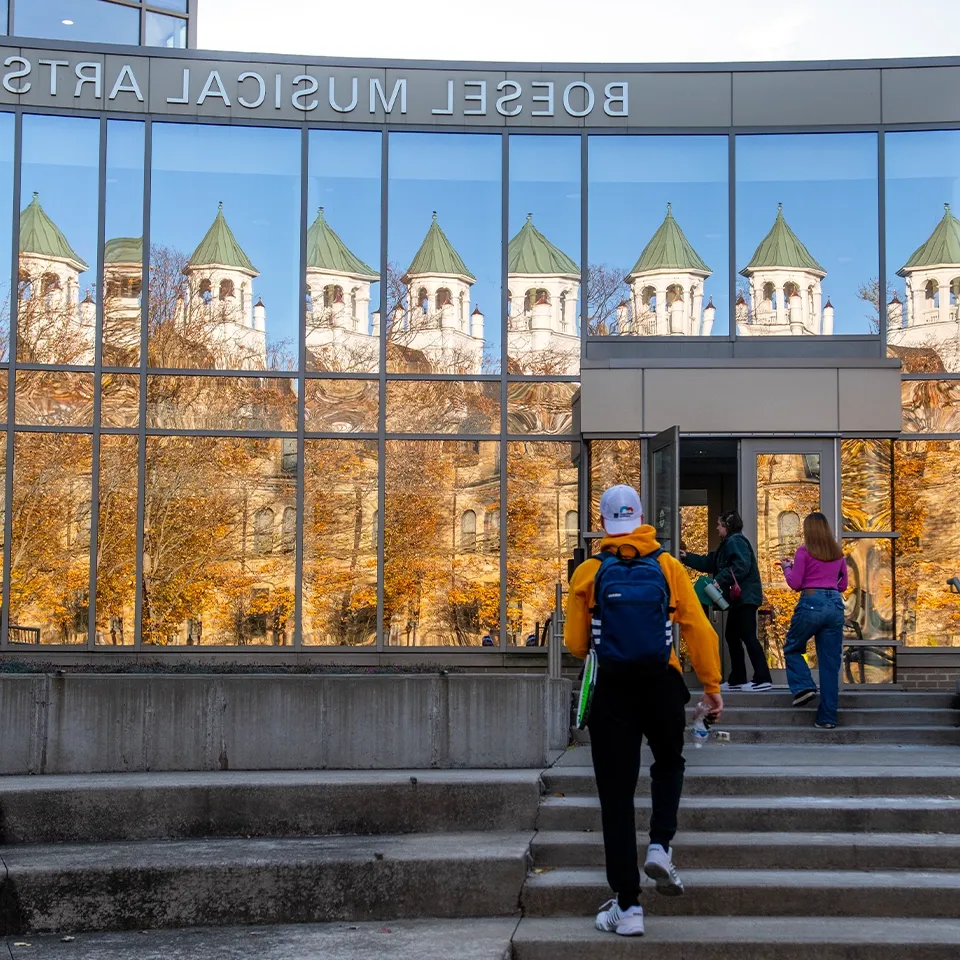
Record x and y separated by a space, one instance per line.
735 562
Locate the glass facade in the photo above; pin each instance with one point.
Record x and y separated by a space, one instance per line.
155 23
287 385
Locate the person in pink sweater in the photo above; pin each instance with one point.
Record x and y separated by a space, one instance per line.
818 573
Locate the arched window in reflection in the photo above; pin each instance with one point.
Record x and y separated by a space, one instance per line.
571 526
444 298
332 295
770 296
423 300
206 291
288 456
491 530
509 303
263 531
288 530
788 531
536 297
26 287
674 294
227 289
50 284
648 300
789 290
468 531
932 294
954 291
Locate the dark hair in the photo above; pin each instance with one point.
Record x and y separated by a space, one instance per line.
732 521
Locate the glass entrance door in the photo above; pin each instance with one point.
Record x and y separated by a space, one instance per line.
780 483
663 497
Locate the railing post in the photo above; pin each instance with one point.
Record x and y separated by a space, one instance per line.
555 641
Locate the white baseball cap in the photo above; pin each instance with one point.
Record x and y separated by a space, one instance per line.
621 509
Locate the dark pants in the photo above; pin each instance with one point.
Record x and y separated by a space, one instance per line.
626 707
742 632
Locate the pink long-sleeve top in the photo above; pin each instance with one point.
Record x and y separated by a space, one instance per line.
808 572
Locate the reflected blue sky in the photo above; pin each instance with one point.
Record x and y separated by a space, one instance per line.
458 175
61 161
344 179
255 173
827 184
87 20
923 173
632 179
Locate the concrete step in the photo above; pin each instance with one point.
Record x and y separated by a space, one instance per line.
142 806
787 780
180 883
842 735
579 891
755 716
850 699
486 939
798 851
916 814
742 938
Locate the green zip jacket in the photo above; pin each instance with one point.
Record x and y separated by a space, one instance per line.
734 551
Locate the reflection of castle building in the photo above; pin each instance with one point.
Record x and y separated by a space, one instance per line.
437 322
932 276
123 280
53 323
338 303
785 294
544 285
666 288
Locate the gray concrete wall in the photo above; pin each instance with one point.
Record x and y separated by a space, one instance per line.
121 723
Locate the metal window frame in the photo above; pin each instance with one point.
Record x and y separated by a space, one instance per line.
382 377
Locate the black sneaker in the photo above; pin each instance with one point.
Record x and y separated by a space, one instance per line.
824 726
804 697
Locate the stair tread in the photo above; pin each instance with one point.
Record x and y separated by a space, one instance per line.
736 930
836 879
752 840
810 771
766 803
246 852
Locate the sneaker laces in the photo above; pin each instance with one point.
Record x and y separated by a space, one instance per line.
608 904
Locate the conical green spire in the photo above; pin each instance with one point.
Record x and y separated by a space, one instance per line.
123 250
219 247
530 252
436 256
669 249
326 251
942 247
782 248
41 237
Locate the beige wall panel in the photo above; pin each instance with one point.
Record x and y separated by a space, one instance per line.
611 401
870 400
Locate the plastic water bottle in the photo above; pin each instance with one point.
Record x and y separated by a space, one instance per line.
701 732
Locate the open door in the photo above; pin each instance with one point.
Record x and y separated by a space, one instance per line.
662 494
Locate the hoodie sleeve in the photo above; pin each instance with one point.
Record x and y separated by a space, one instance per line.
701 638
703 562
576 628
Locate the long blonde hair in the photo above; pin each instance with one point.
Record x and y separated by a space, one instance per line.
818 538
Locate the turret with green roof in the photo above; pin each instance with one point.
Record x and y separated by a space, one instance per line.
328 253
41 237
942 248
437 257
781 249
530 253
220 248
669 250
123 250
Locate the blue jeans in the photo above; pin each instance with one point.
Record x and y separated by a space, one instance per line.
818 615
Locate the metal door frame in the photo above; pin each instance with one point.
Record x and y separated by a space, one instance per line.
668 439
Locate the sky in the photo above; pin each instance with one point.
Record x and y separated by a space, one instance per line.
617 31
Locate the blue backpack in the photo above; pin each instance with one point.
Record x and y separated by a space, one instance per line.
630 621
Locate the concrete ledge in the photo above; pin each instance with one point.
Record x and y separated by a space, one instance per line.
85 723
145 806
205 882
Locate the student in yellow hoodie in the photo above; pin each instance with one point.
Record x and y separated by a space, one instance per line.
631 702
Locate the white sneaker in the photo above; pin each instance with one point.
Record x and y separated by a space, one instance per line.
728 687
659 866
762 686
609 916
631 922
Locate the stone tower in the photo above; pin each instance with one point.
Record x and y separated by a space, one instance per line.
785 293
543 289
666 287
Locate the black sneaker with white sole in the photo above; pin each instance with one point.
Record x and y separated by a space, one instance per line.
804 697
